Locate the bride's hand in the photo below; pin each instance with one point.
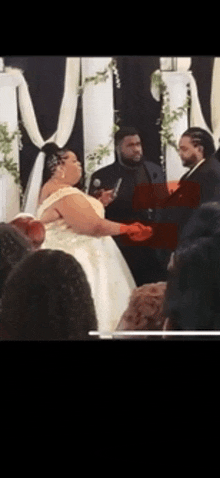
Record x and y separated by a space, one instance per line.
106 197
137 231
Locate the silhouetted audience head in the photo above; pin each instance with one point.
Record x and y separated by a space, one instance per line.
48 297
13 247
192 299
32 228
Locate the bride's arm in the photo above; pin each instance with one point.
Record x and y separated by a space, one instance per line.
80 215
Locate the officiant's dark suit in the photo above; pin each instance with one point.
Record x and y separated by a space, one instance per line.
141 191
137 197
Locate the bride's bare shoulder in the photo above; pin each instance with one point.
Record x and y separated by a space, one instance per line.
48 189
45 193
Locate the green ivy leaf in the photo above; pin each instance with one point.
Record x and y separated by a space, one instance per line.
7 163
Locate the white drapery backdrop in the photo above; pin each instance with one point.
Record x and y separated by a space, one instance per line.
9 191
60 137
98 117
215 101
65 124
98 113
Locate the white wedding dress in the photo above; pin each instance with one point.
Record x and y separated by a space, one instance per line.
107 272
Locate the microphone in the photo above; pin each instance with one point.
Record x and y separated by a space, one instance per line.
117 187
97 183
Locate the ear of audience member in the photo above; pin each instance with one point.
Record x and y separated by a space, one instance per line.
48 297
32 228
13 247
193 293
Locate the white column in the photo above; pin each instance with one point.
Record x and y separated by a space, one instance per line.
9 191
215 102
176 82
98 109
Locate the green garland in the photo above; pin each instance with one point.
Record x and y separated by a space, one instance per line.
95 158
166 120
168 117
102 151
101 76
7 162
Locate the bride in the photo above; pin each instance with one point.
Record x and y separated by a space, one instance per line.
75 223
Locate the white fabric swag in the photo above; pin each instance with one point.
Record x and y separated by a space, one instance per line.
66 121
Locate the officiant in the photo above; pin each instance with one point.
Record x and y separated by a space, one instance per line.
139 188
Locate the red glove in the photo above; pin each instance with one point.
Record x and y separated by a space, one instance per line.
137 231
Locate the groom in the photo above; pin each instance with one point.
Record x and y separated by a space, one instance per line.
200 184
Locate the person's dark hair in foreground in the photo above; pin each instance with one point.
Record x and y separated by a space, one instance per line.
13 246
48 297
192 299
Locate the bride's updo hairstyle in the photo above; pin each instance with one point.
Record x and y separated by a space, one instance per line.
54 157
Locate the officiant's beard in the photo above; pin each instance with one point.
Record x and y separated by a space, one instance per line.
132 162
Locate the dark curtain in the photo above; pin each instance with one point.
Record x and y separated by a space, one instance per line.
45 77
202 67
136 105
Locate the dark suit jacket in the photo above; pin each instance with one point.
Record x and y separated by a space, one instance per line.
203 185
131 204
142 189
